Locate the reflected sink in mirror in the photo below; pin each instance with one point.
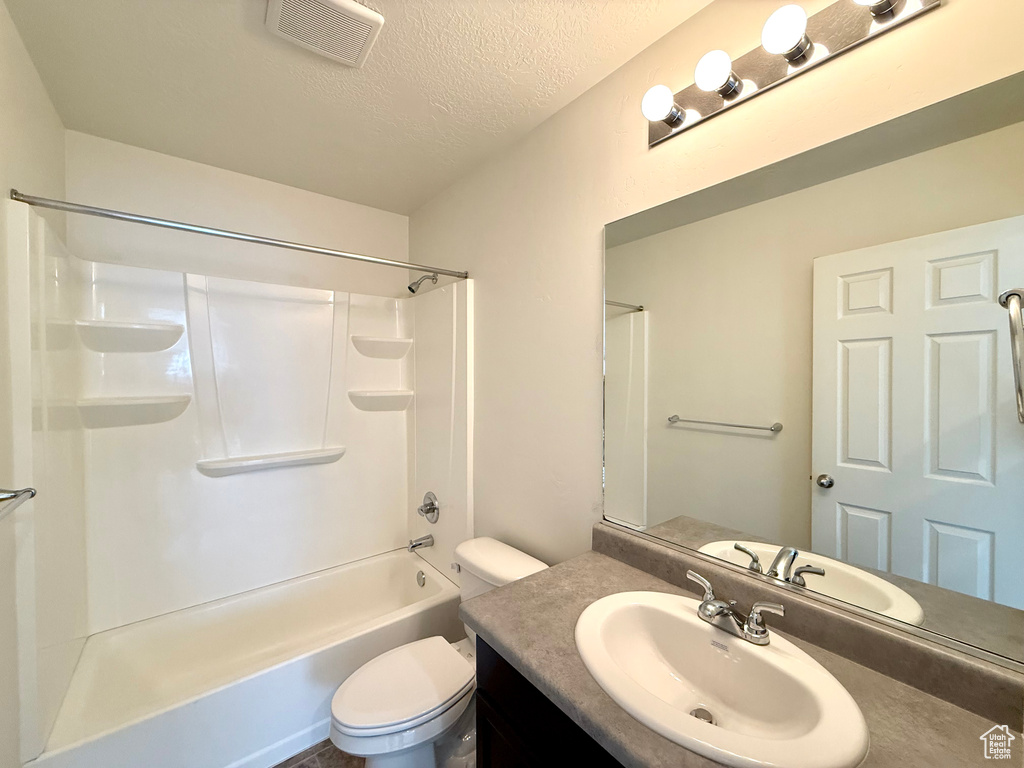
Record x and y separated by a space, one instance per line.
771 705
841 580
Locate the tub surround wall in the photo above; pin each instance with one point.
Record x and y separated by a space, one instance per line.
256 371
984 688
267 369
441 421
31 154
51 610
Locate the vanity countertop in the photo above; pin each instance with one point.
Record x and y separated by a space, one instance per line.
531 623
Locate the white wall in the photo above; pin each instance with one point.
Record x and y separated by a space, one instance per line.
730 304
528 227
31 158
113 175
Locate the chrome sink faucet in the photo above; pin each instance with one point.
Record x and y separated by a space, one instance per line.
782 567
722 614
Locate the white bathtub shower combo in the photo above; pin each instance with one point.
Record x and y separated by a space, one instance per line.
228 475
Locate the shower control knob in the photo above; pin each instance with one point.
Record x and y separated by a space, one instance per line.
825 481
429 508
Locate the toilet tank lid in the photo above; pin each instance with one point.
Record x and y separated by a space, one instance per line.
494 562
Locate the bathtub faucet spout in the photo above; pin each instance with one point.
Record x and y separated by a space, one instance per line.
422 541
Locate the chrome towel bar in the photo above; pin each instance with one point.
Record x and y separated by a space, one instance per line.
776 427
1011 301
16 498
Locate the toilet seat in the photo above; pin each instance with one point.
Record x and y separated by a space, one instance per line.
402 699
403 689
389 728
407 738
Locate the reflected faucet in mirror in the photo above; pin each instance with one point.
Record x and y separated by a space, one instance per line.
782 565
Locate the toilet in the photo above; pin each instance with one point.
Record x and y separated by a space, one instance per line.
395 708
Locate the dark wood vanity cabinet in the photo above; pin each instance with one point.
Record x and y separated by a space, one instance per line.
517 726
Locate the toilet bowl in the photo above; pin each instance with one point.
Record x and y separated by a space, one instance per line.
395 708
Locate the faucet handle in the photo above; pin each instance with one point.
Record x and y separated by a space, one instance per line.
709 592
755 622
755 561
798 577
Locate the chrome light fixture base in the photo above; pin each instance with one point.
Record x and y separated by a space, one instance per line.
833 31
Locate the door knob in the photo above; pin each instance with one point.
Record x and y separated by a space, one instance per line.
825 481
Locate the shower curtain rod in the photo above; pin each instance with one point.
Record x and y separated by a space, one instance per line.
105 213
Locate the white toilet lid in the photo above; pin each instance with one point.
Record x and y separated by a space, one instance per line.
401 686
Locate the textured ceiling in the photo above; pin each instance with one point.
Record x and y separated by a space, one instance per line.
448 83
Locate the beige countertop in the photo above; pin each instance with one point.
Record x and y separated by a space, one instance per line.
531 623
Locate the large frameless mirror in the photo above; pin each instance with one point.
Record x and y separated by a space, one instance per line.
809 373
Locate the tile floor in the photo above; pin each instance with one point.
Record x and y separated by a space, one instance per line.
322 755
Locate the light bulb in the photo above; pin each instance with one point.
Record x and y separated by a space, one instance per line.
659 104
714 73
879 7
785 33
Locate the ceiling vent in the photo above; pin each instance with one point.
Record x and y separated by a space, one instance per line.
342 30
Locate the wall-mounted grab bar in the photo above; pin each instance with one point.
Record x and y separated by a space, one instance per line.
634 307
1011 301
776 427
15 498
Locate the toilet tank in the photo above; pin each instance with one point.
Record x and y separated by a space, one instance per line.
485 563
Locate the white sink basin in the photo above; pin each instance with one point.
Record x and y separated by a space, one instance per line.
773 704
841 580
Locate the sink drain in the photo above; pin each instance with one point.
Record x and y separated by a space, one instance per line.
702 714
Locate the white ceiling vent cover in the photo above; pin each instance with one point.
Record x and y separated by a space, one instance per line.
342 30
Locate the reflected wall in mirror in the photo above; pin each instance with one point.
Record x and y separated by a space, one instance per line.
860 317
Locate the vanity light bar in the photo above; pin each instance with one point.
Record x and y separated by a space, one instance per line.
792 43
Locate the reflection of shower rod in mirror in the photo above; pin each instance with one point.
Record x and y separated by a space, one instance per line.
776 427
633 307
791 44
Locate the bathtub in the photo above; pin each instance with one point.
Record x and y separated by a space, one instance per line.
247 681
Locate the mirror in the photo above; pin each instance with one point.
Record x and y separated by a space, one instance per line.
808 373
